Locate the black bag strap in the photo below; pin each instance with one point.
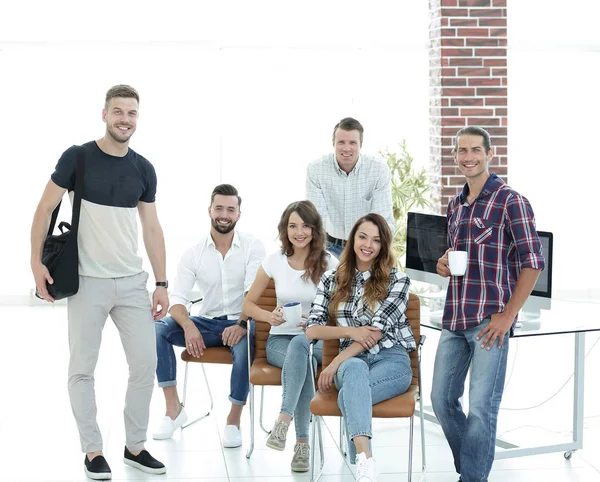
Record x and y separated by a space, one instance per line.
78 192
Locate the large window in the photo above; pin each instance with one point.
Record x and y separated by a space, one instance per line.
554 66
229 95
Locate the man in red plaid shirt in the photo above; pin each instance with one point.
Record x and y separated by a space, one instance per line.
495 225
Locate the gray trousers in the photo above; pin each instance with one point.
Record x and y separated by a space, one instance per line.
127 301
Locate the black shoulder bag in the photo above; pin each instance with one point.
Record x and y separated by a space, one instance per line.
60 254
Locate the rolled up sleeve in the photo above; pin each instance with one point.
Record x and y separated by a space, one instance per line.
185 279
521 221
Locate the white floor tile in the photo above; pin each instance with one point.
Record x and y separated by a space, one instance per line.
35 418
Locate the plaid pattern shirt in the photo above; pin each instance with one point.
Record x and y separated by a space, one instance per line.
498 231
342 198
388 314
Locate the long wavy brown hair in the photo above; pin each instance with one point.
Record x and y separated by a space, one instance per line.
376 287
316 262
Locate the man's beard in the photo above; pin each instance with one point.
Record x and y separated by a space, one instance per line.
115 137
223 229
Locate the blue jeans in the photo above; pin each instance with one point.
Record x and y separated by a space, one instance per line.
290 352
472 438
365 380
334 249
169 334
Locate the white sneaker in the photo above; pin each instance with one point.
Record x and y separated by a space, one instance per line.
232 437
365 468
167 426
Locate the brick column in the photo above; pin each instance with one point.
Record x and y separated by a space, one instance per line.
468 85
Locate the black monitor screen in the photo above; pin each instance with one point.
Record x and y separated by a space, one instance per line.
543 286
426 241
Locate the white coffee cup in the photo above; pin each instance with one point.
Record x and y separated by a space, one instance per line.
292 312
457 262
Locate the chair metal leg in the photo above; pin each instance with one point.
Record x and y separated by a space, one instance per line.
262 404
321 447
421 413
251 396
343 447
185 383
316 431
410 447
316 428
185 393
313 439
251 392
423 459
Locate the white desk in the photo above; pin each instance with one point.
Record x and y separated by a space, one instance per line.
565 317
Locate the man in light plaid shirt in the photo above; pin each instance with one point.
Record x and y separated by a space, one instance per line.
495 225
346 185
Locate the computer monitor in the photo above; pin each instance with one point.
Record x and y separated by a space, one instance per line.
427 241
541 296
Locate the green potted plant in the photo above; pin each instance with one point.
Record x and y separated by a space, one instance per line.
410 191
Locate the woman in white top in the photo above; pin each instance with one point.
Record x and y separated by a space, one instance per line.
296 270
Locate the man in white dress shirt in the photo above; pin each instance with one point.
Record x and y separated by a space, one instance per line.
346 185
223 265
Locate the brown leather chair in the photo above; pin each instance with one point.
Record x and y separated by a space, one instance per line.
219 354
325 403
259 371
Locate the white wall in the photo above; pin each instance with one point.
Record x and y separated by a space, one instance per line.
238 92
554 67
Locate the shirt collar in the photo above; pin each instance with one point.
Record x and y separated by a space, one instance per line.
492 184
362 275
355 169
235 242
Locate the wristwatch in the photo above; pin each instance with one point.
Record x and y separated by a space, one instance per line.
243 324
164 284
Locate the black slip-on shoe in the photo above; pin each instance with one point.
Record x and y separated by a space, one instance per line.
144 462
97 468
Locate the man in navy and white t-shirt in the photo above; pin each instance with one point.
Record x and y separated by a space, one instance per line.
118 184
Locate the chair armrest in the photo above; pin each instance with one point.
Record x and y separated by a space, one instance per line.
310 363
191 303
419 346
249 322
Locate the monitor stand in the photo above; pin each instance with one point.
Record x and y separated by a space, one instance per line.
531 313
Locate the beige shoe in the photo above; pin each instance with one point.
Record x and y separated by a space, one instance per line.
276 440
301 459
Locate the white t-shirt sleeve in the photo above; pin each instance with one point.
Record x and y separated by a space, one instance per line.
269 264
332 262
256 255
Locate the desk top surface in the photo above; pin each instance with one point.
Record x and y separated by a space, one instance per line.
563 317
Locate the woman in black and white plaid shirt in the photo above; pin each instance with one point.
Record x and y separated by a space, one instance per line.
362 303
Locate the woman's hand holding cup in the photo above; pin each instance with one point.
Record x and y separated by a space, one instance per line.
276 318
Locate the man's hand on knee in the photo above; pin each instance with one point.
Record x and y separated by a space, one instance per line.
233 334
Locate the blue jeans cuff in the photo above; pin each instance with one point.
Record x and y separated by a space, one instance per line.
237 402
168 383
